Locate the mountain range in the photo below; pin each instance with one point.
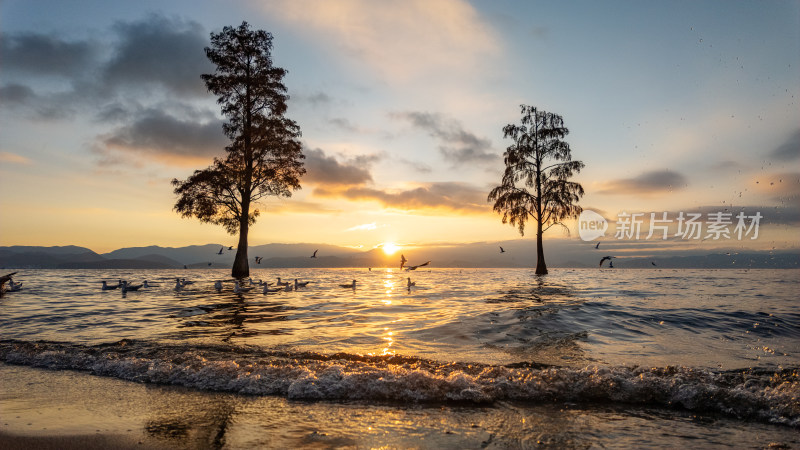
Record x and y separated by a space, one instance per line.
517 253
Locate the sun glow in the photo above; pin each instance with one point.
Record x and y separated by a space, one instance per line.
390 248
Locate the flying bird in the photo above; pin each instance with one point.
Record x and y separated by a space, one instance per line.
502 250
419 265
315 253
230 247
220 250
258 259
403 261
604 259
653 263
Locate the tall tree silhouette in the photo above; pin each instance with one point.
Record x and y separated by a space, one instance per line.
539 160
264 157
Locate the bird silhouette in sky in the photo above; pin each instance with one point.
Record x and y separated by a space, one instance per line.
230 247
403 261
258 259
604 259
315 253
418 265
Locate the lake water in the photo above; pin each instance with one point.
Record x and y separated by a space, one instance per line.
466 358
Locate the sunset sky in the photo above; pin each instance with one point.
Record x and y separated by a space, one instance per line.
672 105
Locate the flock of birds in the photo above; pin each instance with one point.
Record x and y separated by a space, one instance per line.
238 287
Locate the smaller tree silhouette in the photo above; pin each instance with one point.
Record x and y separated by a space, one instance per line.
532 162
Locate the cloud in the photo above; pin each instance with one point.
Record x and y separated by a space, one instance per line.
457 145
460 197
16 93
326 170
154 133
789 150
652 182
159 51
46 54
54 106
400 40
364 227
13 158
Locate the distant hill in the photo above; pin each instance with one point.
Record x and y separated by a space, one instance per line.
517 253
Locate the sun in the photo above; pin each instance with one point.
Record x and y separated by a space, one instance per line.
390 248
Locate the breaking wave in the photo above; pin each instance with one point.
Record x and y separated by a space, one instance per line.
754 394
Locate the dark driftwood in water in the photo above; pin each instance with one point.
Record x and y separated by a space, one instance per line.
3 280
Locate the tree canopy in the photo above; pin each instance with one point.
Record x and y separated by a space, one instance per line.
264 157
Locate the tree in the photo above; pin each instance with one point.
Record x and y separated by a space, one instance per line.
264 157
537 141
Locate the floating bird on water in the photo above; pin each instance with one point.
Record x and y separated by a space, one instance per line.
3 280
299 284
411 283
238 289
350 286
146 285
14 287
218 286
268 289
181 283
130 287
597 246
502 250
418 265
230 247
653 263
315 253
611 264
604 259
282 283
107 287
258 259
220 250
403 261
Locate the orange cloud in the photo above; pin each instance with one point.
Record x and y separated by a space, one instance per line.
452 196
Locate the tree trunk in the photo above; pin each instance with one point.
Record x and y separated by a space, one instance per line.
241 268
541 267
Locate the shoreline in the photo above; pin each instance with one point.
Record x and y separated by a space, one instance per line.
12 441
